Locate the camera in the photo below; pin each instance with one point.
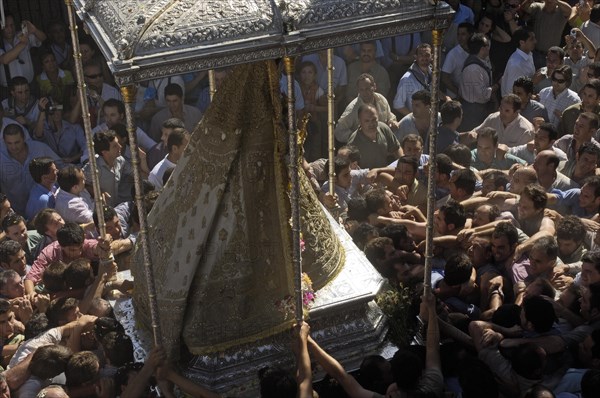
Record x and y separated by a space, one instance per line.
51 108
574 33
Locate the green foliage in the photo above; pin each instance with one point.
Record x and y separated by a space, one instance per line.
395 303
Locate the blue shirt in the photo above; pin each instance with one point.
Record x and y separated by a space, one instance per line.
39 198
15 179
69 142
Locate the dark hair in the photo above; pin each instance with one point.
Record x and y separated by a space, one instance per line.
589 148
538 391
507 315
58 310
594 290
121 132
540 313
49 361
39 167
521 34
592 257
396 232
114 103
172 123
177 137
476 379
17 81
375 200
354 152
118 348
450 111
365 76
488 132
410 161
460 154
42 218
525 83
68 177
546 288
14 129
82 368
444 164
10 220
276 383
508 230
370 375
174 89
454 213
594 84
71 234
595 14
422 95
458 269
37 324
500 179
357 209
407 368
77 273
476 43
550 129
513 100
53 277
571 228
566 71
465 180
109 214
528 361
361 234
102 141
590 382
375 251
537 194
9 248
548 245
590 116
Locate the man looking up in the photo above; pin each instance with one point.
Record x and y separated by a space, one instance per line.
175 108
374 140
110 165
417 78
367 94
367 64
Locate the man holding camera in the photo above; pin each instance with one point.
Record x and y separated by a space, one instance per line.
67 140
21 105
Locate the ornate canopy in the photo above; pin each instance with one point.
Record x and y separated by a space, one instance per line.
145 39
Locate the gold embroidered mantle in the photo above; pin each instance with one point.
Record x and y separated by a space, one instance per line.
219 233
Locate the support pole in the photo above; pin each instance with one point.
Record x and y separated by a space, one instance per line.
87 125
433 123
212 84
295 188
128 93
330 121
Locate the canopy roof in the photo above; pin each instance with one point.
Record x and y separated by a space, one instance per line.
146 39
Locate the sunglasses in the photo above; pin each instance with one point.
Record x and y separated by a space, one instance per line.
94 76
560 81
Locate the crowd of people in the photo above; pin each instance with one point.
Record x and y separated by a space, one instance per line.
516 269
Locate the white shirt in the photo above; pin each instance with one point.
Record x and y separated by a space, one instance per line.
519 64
453 65
562 101
157 173
22 65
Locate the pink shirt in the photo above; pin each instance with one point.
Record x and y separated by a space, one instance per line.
53 252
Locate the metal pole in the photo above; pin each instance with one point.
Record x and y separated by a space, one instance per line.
87 125
330 117
212 85
128 93
295 190
433 122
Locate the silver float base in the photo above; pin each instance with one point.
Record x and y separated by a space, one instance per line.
344 320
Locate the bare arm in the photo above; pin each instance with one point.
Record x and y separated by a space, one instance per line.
336 370
303 369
